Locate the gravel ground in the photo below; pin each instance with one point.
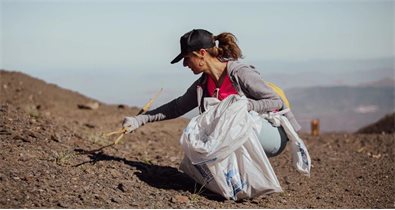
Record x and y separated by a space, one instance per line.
46 160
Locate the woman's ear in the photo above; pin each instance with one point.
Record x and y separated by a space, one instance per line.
202 52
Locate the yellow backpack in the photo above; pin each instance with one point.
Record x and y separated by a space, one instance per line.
279 92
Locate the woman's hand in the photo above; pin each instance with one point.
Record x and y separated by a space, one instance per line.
130 124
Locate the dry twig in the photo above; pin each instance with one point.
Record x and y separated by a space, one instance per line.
122 131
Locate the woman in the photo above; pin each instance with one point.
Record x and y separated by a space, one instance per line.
216 58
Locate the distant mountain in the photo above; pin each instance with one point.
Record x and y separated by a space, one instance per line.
385 82
325 72
328 78
344 94
341 108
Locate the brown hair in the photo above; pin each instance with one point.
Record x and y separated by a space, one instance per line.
227 47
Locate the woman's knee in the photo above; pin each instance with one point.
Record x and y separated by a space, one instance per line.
273 139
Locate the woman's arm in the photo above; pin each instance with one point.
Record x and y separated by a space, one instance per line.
262 98
173 109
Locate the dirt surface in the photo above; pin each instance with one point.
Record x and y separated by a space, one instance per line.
45 139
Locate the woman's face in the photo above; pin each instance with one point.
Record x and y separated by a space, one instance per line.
192 61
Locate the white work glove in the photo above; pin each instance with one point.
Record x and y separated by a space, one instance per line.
130 124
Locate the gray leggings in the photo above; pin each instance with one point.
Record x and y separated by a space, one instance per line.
273 139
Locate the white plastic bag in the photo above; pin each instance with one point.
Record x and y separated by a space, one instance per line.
223 153
300 155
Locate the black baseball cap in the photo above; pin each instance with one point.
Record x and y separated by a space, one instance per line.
194 40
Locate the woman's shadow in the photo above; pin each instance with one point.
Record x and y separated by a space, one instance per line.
162 177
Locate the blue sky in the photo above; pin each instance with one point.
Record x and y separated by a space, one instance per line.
127 42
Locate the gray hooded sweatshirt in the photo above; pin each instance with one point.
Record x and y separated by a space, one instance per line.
245 79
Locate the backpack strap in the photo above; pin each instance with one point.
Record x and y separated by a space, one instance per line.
280 93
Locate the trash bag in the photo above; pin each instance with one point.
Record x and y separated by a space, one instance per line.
223 153
300 155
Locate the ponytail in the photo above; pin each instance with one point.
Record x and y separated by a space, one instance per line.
227 47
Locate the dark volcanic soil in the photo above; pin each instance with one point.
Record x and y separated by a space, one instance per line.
384 125
44 159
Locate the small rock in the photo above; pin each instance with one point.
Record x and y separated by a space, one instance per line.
115 200
287 180
18 137
62 204
55 137
122 187
121 106
115 173
134 204
97 197
4 132
80 197
376 156
91 106
173 159
3 108
179 199
32 134
89 125
254 202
